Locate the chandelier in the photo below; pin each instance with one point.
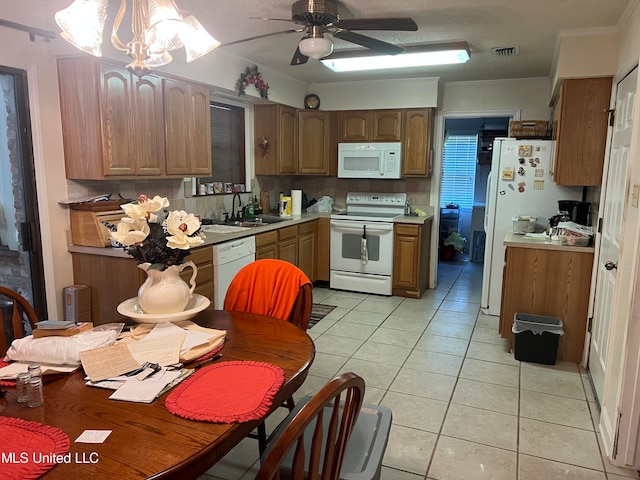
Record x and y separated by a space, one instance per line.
158 27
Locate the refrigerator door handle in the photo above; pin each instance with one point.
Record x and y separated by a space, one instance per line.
487 209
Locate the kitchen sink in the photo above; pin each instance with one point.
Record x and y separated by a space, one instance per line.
224 228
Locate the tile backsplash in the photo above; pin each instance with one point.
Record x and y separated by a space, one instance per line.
178 191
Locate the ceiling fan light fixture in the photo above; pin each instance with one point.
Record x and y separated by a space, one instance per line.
316 47
414 56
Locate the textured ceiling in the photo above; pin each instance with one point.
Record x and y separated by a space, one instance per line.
532 25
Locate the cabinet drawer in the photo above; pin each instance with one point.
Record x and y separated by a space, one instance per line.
308 227
288 232
405 229
201 255
266 238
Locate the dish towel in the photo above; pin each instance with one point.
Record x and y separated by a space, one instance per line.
30 441
227 392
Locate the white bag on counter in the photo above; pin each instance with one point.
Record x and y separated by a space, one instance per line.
324 205
56 350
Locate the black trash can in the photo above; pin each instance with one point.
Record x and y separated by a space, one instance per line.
536 338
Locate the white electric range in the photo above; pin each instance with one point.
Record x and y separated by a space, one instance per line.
362 242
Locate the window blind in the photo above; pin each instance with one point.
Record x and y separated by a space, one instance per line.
227 144
459 170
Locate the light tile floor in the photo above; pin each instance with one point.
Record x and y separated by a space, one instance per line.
463 407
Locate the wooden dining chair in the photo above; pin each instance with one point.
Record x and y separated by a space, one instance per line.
277 289
11 325
341 398
272 287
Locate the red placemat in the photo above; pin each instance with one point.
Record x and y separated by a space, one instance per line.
227 392
32 442
210 354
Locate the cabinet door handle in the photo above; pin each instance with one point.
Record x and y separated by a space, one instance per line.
610 265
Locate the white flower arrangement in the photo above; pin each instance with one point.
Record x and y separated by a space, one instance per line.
147 238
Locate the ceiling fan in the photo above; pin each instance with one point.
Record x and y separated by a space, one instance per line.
320 17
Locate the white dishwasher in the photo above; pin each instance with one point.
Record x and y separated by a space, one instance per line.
228 259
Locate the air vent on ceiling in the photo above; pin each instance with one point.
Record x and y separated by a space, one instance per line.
506 51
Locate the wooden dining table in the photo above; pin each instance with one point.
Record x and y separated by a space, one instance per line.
146 440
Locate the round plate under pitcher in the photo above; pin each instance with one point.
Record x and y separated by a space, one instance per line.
131 308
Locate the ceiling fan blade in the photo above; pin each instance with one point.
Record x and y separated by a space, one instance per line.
296 30
267 18
299 58
404 24
372 43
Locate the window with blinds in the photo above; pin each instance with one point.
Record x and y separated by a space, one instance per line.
459 170
227 144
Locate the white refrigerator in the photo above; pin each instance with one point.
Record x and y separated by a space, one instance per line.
519 184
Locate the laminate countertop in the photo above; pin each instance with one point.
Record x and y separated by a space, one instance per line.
523 241
213 238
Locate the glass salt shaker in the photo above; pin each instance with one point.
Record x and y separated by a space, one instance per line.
35 370
21 386
35 394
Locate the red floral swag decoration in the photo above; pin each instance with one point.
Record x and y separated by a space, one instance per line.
252 76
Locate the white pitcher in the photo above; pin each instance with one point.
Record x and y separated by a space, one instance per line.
164 291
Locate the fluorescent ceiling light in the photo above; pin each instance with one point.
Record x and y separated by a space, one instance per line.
413 56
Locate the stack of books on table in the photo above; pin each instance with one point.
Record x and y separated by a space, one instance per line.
49 328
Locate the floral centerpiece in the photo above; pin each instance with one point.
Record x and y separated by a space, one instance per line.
149 239
160 245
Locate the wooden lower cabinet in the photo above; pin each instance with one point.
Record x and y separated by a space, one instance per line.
553 283
296 244
267 245
411 245
114 280
323 249
307 249
202 257
288 244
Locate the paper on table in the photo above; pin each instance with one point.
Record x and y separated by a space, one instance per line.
193 338
160 348
13 369
144 391
93 436
106 362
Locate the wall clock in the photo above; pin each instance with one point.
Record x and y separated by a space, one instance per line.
312 101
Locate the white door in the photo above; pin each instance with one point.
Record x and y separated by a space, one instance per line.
611 210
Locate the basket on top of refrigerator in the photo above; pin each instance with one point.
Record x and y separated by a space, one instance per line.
574 234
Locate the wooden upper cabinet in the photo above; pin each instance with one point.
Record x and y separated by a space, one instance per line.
314 132
149 114
355 126
371 126
417 142
387 126
188 128
116 108
278 125
580 122
111 121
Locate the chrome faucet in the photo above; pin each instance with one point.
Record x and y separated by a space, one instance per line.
233 205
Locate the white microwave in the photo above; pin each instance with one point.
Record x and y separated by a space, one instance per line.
369 160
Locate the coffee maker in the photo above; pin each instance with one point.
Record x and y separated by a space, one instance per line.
578 212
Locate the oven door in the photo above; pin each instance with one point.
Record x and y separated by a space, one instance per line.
346 247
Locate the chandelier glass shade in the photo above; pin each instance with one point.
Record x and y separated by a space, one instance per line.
158 27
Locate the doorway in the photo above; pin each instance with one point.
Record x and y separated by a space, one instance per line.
21 263
466 163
